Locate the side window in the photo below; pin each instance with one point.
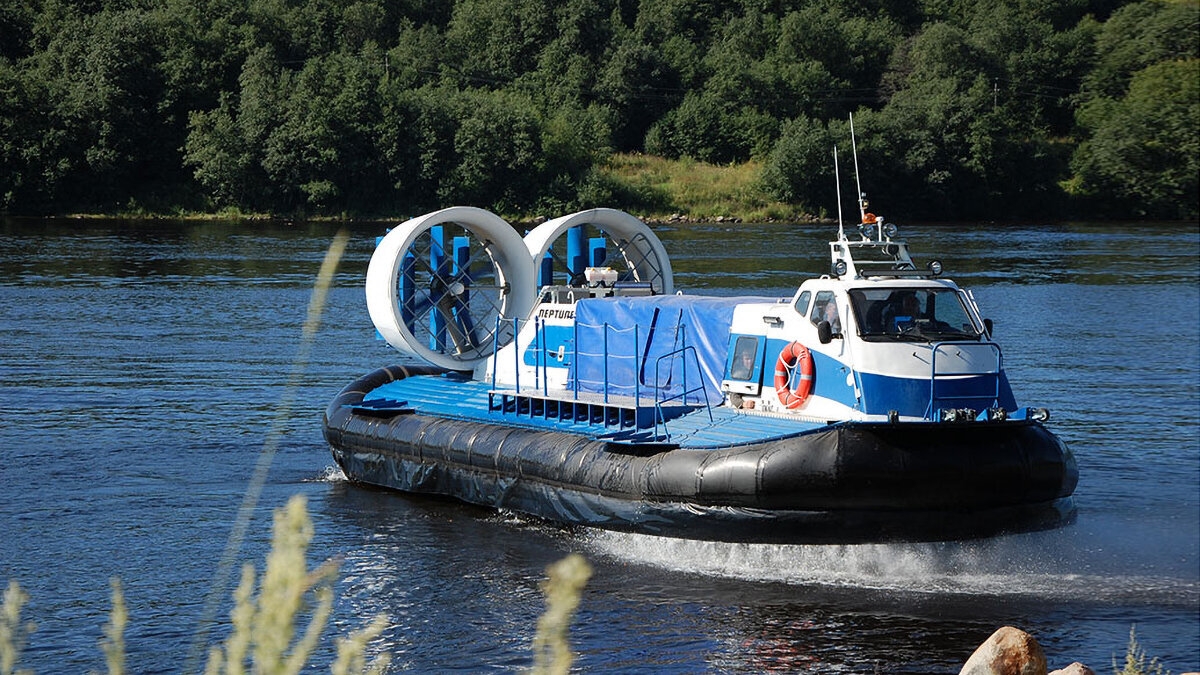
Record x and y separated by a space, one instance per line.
744 351
825 309
802 303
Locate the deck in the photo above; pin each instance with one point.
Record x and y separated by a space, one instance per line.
620 419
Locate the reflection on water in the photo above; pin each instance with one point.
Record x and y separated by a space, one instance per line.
144 360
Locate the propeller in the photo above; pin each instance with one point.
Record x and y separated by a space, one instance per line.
444 287
630 247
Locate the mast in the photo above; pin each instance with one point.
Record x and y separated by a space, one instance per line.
862 207
837 178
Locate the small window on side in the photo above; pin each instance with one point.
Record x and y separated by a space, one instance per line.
802 303
744 352
825 309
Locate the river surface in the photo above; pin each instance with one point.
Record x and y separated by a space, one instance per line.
142 364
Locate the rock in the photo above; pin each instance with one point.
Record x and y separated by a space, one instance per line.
539 220
1009 651
1076 668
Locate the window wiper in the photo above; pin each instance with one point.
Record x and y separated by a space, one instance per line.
890 337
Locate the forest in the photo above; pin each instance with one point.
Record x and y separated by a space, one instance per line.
981 109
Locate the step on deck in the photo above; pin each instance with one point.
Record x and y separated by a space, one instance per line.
617 413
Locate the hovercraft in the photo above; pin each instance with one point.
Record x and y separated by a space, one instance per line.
561 375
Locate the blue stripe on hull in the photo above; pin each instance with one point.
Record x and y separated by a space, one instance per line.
883 393
910 396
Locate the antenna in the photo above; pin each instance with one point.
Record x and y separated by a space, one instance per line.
862 209
837 177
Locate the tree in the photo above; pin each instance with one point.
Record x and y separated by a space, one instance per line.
1143 156
799 169
1139 35
498 150
100 72
639 86
322 154
495 41
30 145
226 145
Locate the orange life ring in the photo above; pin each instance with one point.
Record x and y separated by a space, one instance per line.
794 355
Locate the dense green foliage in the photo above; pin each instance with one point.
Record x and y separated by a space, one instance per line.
963 108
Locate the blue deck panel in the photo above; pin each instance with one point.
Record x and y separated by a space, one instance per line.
459 398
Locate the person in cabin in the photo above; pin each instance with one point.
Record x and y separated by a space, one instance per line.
903 310
831 315
743 361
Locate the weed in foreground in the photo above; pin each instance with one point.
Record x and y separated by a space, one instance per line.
563 588
1135 659
264 627
13 634
264 637
113 645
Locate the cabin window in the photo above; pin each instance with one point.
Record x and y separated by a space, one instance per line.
744 352
802 303
912 314
825 309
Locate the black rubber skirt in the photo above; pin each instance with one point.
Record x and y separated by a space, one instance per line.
845 483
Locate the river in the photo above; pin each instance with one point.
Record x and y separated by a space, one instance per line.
142 364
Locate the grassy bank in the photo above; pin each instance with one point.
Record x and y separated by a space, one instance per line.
660 189
651 187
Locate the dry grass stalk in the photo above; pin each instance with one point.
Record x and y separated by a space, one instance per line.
1135 659
113 645
351 659
13 635
563 589
264 628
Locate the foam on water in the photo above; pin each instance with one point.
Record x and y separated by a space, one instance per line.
1006 566
330 474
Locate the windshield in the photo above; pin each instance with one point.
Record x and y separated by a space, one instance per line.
907 314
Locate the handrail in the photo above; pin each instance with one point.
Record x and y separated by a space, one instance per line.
495 349
540 366
994 398
605 364
658 414
516 355
637 369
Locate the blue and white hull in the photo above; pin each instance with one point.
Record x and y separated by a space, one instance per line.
827 417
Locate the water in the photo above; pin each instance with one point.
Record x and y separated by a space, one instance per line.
142 363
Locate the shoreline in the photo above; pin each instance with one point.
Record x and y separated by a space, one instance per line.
524 219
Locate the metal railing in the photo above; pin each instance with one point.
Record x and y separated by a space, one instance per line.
660 398
993 399
606 389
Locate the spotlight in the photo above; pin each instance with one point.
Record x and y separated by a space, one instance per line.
839 268
890 230
935 267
